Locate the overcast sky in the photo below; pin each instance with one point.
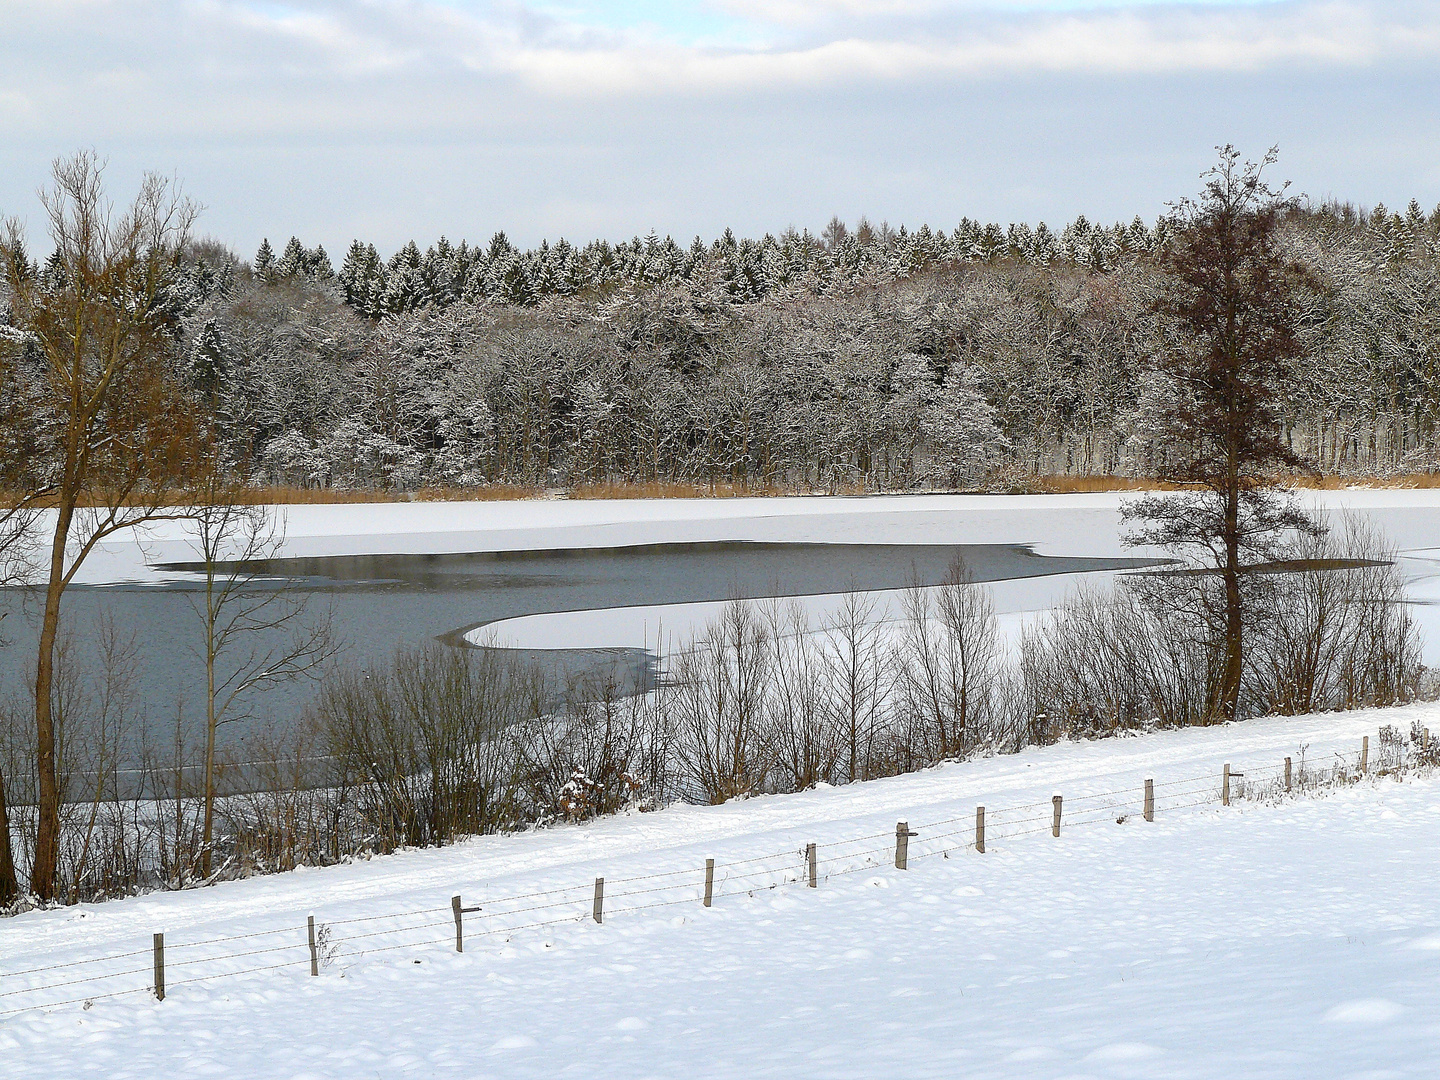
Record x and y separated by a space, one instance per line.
392 119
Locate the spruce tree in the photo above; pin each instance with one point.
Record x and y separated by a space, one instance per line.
264 266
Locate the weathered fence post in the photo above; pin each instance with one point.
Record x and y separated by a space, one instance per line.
810 861
980 829
314 952
1287 774
1225 786
902 844
1364 753
709 880
1055 824
459 922
598 913
1149 800
159 967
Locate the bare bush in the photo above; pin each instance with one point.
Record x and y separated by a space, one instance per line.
1338 635
1105 661
597 752
804 744
949 669
715 701
424 747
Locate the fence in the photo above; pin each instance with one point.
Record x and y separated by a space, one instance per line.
313 945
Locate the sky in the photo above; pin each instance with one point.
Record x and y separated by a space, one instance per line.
388 120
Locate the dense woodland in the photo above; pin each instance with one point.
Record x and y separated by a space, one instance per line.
864 358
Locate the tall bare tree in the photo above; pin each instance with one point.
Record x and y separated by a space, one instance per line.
255 629
1231 299
109 433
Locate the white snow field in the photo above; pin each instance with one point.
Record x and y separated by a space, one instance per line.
1293 938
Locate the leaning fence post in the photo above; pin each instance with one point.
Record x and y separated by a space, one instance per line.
810 860
1055 824
1225 786
1149 800
902 844
159 967
709 880
980 829
459 925
1364 753
1287 774
598 913
314 952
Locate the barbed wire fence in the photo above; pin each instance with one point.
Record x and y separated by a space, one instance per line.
315 944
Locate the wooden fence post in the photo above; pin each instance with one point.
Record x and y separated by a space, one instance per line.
1149 800
810 859
598 913
980 829
1055 824
902 844
1225 786
1364 753
1287 774
709 880
159 967
459 923
314 952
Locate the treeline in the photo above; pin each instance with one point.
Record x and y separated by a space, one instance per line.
449 743
865 359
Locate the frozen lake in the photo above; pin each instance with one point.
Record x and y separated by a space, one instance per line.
581 584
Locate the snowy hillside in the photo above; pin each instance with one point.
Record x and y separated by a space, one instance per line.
1291 938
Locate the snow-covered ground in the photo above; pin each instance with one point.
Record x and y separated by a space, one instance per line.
1299 939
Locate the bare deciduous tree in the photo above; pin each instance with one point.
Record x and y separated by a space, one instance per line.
109 430
256 630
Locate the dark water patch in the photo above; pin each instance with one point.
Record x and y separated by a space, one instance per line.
380 602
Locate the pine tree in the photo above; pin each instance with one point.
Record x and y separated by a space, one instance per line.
264 266
292 260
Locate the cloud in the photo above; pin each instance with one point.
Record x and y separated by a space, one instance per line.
398 118
1135 41
237 66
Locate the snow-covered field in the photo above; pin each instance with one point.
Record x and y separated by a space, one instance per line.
1296 939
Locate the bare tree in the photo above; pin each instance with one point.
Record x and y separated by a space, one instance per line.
949 665
108 430
860 677
1231 299
256 629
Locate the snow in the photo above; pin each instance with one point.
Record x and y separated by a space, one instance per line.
1297 938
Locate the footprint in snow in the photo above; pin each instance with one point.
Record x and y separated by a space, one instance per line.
1124 1052
514 1042
1365 1011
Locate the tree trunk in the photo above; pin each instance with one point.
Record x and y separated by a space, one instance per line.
1228 705
9 886
208 831
47 829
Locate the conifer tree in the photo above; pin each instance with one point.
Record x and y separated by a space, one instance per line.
264 265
